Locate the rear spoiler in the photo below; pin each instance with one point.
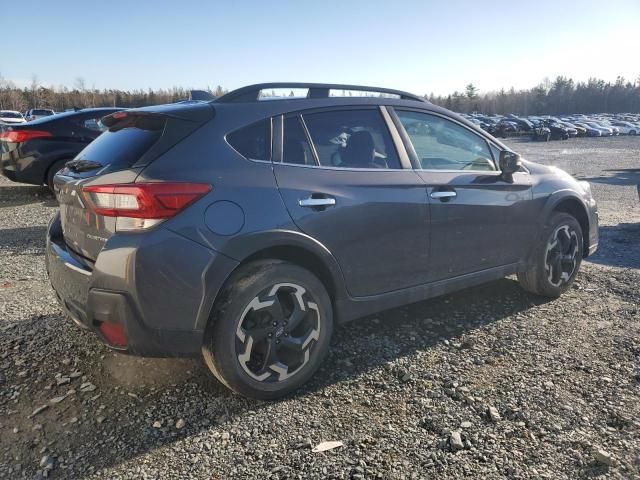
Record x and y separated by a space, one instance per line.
198 112
201 95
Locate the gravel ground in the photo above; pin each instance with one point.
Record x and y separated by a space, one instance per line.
490 382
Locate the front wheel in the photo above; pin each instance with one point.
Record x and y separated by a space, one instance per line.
270 329
556 260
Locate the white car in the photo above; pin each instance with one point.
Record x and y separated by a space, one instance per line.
36 113
606 131
11 116
626 128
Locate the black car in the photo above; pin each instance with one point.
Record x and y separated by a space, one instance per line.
245 229
558 131
33 152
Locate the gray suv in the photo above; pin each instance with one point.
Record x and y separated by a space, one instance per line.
246 227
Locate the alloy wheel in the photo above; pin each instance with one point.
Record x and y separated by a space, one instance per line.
561 256
277 332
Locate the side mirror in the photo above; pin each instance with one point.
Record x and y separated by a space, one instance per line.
510 163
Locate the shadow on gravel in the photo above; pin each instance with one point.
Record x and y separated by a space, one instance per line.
618 177
23 240
17 195
187 390
619 246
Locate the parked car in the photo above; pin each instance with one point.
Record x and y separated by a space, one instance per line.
558 131
626 128
605 131
33 152
247 229
580 131
36 113
591 131
11 117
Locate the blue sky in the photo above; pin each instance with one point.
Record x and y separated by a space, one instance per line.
420 46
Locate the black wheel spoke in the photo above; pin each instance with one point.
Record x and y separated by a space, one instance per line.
296 317
270 356
276 310
293 343
259 333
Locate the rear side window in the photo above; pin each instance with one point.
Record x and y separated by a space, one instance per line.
352 139
125 142
253 141
295 146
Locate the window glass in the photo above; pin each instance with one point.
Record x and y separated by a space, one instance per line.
125 143
93 124
295 146
8 114
444 145
253 141
282 93
352 139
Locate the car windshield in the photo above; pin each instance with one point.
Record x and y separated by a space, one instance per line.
5 114
41 112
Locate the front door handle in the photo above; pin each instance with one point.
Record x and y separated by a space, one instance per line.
312 202
443 195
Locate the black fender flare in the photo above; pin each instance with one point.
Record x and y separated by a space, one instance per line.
252 245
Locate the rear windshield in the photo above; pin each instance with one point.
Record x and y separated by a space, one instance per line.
124 143
41 112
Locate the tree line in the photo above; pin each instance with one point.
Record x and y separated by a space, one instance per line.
61 98
559 96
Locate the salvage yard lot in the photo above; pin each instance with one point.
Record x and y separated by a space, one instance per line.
563 375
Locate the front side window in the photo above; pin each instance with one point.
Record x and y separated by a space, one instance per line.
444 145
352 139
253 141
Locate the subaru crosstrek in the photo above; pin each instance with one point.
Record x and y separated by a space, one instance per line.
245 228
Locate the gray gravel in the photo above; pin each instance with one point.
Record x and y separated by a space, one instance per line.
487 383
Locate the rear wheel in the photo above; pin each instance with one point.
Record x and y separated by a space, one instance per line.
556 261
53 169
270 330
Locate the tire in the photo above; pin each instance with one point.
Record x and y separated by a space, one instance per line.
547 275
53 169
632 132
253 318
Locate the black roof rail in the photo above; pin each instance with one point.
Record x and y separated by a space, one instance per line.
251 93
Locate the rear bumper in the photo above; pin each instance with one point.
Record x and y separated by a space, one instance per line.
159 317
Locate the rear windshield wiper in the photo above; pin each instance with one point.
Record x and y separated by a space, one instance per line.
82 165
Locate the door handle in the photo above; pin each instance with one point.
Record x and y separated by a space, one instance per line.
444 195
312 202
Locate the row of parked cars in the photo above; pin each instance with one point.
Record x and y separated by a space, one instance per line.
13 116
558 128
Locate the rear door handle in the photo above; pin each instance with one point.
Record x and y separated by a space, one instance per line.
317 202
443 195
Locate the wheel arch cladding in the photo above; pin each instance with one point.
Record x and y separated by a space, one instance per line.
576 209
302 257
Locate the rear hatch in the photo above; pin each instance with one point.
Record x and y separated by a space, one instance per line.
134 139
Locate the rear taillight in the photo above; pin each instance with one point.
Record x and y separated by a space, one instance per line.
142 205
19 136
